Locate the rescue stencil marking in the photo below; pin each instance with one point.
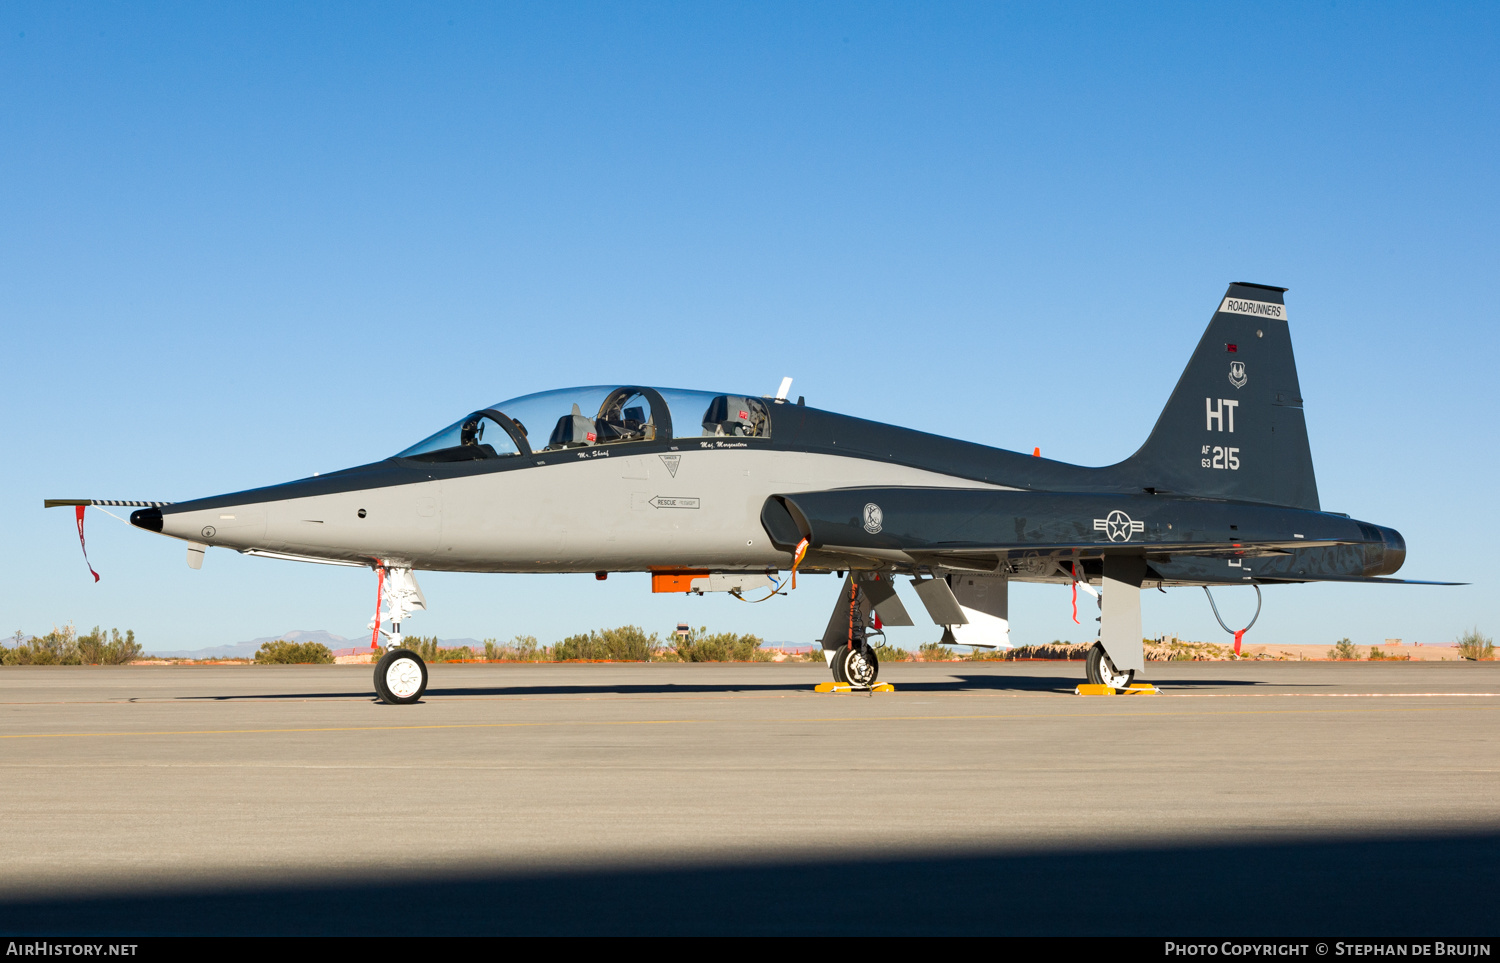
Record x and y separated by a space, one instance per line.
661 501
1258 309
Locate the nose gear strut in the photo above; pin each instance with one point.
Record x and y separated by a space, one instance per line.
401 675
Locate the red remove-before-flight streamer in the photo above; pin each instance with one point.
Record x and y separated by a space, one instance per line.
79 511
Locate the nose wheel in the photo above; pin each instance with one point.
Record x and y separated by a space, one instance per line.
400 677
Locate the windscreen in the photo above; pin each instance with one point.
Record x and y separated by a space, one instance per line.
604 415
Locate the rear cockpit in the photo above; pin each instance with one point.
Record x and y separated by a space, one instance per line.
587 417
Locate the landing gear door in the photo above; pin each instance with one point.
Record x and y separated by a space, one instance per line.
985 600
1120 615
881 592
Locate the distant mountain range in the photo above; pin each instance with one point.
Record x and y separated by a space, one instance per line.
247 650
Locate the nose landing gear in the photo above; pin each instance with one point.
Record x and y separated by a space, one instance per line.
401 675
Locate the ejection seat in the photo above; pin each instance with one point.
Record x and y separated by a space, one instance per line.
573 431
735 415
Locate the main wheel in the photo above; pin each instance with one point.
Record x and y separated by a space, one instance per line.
400 677
1102 671
856 666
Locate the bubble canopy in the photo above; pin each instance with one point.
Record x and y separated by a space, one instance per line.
593 415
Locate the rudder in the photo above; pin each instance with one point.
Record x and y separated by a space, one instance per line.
1234 426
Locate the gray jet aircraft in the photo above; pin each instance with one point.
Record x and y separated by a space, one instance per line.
716 492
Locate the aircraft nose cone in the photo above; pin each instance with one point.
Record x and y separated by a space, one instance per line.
147 518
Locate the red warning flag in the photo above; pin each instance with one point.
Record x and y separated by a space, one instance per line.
379 593
79 511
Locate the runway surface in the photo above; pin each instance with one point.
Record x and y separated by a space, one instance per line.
1247 799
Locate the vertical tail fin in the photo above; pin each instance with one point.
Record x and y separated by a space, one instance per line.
1234 426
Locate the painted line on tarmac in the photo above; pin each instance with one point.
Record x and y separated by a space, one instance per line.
699 722
743 697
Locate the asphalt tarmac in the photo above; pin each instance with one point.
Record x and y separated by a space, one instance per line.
1310 799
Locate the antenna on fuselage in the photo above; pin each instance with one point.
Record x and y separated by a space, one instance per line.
786 386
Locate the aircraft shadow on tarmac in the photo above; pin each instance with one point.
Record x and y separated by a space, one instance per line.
961 683
1387 885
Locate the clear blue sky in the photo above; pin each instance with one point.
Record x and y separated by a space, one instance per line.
243 243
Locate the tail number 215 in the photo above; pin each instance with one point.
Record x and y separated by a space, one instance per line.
1218 457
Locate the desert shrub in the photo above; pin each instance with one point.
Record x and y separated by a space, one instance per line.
293 653
935 652
1472 645
58 647
1344 649
1171 649
700 646
524 648
108 648
425 646
890 653
628 643
65 647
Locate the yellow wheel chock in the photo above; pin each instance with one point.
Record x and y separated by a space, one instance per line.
1135 688
844 687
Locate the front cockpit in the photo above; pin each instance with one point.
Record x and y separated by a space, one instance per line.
587 417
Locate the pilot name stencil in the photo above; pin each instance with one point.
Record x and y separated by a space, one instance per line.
662 501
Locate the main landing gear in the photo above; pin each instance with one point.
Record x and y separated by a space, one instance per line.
1101 670
846 643
401 675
